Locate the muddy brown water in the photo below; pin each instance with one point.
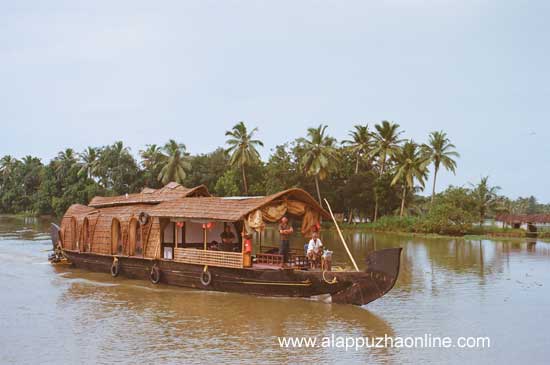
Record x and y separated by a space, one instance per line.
447 287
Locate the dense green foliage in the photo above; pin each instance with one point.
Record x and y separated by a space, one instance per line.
371 173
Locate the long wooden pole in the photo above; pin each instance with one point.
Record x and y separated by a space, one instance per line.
341 236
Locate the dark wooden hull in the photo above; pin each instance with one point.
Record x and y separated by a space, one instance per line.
357 288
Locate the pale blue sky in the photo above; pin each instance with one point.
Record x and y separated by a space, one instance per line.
78 73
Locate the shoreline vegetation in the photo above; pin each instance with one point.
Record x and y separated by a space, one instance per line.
476 232
375 175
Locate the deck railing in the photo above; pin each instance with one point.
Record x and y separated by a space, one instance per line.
210 258
269 255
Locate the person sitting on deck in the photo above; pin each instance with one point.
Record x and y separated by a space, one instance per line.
315 250
227 239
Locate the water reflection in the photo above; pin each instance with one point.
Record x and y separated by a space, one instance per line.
174 321
448 287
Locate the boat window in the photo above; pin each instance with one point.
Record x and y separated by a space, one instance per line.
180 228
116 237
194 234
168 241
84 243
169 233
135 234
139 243
72 232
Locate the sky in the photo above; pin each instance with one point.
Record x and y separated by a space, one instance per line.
78 73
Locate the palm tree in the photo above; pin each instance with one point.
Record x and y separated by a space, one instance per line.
242 149
151 156
7 164
386 146
485 196
411 165
152 160
88 162
64 161
319 154
360 143
175 163
439 151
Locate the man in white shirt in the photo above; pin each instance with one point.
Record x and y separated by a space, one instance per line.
314 250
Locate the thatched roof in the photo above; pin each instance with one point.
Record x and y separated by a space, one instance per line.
228 209
76 210
171 191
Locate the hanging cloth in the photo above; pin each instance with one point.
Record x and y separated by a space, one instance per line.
254 222
295 207
274 212
310 220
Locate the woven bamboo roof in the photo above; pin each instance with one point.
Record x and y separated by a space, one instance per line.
171 191
228 209
78 210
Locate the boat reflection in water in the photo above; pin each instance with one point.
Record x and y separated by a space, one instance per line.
174 323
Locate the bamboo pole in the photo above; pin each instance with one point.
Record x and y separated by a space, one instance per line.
341 236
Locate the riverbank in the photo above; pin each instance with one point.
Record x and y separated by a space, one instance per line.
406 227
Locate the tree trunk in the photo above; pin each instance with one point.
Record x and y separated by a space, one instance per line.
357 165
318 191
403 200
245 184
433 187
382 166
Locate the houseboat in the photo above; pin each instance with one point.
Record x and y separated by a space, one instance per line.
172 235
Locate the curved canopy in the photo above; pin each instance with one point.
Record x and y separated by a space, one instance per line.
231 209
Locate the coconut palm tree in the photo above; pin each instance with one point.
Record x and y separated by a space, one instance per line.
485 196
411 165
242 149
88 162
319 155
64 161
175 163
360 143
7 165
152 160
386 145
151 156
440 151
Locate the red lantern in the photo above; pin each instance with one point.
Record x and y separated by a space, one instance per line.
247 245
179 224
208 225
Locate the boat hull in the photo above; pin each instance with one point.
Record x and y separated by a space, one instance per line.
357 288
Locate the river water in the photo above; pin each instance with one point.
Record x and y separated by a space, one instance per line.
447 287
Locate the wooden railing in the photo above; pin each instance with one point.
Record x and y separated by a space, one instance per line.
270 256
269 259
210 258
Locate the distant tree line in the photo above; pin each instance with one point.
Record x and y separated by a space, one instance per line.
373 173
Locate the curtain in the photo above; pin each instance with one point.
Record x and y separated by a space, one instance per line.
274 212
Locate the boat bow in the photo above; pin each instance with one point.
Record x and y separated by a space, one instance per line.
378 279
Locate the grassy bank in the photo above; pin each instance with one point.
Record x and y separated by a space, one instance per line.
419 226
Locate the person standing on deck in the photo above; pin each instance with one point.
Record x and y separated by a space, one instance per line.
285 230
